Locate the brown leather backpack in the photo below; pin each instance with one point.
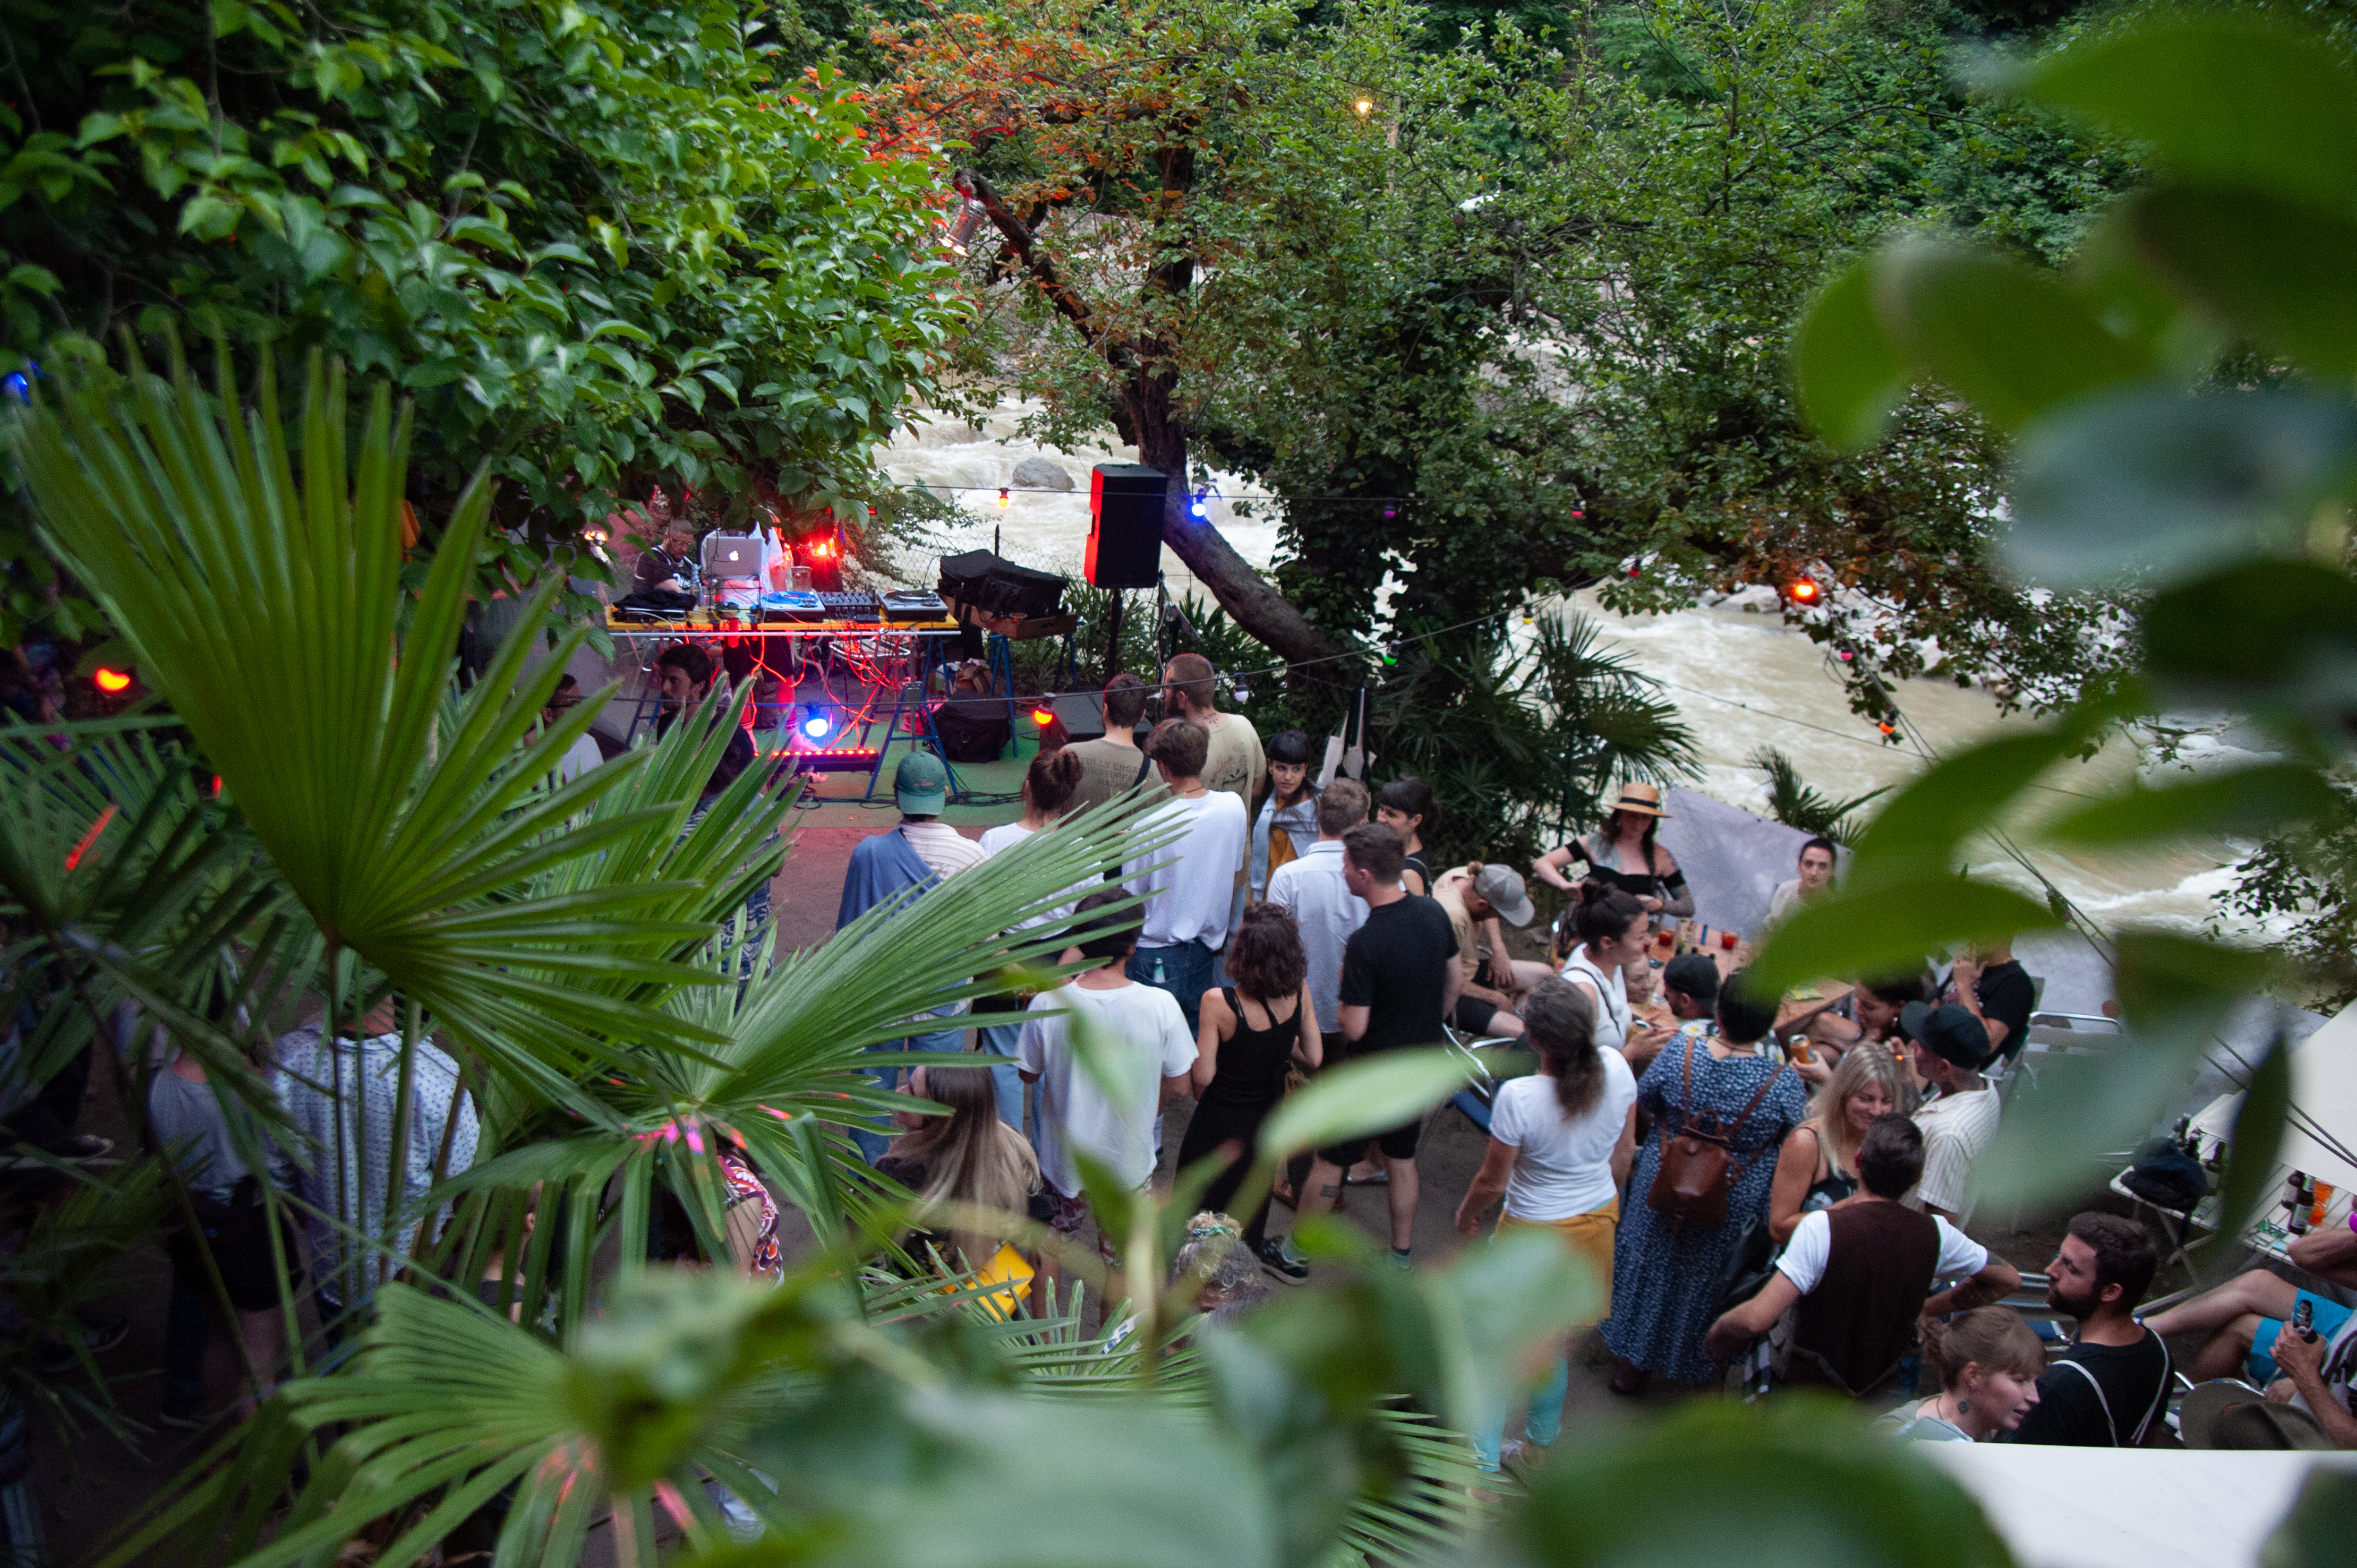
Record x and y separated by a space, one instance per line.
1698 1167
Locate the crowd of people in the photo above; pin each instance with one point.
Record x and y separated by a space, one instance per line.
1794 1201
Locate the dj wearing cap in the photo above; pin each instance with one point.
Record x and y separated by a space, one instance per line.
1950 1048
1476 898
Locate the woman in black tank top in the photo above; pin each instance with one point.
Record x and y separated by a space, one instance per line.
1252 1032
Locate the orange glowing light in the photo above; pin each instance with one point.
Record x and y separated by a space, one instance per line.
1043 717
113 681
1804 591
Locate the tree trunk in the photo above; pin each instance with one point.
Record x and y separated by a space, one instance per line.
1249 599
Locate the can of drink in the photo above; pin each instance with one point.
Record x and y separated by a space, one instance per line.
2303 1319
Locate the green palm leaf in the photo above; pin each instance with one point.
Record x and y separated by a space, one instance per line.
264 605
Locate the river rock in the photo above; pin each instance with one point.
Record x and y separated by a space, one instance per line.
1038 474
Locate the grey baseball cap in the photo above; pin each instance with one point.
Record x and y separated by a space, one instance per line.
1502 888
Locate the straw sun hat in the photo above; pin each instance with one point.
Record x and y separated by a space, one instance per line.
1642 798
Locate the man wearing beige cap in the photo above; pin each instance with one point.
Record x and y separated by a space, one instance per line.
1477 898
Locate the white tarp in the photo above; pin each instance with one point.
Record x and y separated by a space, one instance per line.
2127 1507
2323 1096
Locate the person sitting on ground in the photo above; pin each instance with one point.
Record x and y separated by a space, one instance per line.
1113 763
1623 855
1987 983
2109 1389
1190 883
1287 823
1226 1275
1816 875
1950 1049
1254 1030
1856 1276
968 1159
1817 1167
1561 1142
668 568
1109 1113
1612 928
1400 982
1406 805
1873 1010
1666 1267
1477 898
1988 1361
2246 1321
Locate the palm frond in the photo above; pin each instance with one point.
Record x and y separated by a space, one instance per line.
1794 802
262 603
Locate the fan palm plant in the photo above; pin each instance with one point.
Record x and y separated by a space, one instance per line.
331 818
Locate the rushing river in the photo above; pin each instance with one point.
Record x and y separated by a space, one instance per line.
1739 677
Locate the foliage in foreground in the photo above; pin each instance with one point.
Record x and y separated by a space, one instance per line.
2134 466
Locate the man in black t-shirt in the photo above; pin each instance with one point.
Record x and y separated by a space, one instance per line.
1401 977
1997 991
2106 1390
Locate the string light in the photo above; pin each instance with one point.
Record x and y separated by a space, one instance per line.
1365 106
1043 715
1197 506
1803 591
114 683
817 728
1006 499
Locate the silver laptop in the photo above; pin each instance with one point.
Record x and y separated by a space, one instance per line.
732 556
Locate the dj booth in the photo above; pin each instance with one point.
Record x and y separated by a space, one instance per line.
831 666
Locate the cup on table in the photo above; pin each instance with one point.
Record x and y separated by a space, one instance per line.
1727 940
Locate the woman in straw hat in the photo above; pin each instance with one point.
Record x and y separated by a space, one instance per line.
1622 855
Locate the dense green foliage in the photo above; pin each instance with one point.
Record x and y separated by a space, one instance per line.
2136 467
603 245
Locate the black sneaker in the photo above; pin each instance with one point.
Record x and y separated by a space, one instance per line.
1272 1258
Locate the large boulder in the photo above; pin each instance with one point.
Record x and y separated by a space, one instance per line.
1039 474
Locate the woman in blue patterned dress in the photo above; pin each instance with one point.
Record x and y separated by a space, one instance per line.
1665 1281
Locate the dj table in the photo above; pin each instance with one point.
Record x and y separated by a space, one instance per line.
871 672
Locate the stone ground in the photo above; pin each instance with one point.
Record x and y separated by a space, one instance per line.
92 1482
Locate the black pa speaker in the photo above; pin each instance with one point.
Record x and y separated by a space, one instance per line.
1126 505
1083 712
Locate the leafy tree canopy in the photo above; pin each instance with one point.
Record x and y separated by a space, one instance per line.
601 243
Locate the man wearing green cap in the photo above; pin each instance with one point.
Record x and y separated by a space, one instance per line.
905 861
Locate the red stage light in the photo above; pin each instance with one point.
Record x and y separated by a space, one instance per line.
1804 591
113 681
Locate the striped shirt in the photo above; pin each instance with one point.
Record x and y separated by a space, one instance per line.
1956 1128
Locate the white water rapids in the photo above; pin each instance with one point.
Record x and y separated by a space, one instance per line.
1740 680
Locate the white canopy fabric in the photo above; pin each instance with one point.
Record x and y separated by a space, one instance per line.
2323 1092
2127 1507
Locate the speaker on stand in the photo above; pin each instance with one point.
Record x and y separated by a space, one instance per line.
1126 505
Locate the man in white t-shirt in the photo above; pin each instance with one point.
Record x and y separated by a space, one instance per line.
1861 1272
1189 883
1106 1109
1310 888
583 754
1950 1050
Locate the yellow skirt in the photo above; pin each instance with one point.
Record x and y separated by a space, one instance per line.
1589 1235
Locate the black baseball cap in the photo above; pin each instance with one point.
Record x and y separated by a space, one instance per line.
1948 1032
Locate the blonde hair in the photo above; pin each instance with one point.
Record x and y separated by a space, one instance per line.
970 1156
1865 1064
